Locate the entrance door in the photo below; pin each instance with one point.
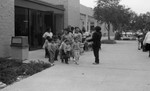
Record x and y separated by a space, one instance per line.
33 23
39 21
49 20
35 29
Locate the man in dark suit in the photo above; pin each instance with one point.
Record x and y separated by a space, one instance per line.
96 39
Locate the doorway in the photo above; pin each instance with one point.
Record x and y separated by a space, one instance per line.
38 22
33 23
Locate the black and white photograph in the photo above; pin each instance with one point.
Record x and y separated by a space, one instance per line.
74 45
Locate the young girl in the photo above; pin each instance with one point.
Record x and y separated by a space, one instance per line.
76 48
51 51
65 51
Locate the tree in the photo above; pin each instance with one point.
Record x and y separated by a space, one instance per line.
121 18
111 13
140 22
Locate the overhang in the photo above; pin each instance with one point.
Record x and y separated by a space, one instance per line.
40 5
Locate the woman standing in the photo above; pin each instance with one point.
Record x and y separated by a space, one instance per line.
49 34
96 39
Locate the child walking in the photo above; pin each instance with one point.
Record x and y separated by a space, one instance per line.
65 51
76 48
57 44
45 46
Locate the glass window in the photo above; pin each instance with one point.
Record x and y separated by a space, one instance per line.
21 21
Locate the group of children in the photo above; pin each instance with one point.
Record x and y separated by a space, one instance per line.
67 47
68 50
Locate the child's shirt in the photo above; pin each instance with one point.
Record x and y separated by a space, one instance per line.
76 46
61 46
47 34
45 44
65 47
57 43
51 47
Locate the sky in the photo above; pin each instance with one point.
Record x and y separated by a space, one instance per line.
139 6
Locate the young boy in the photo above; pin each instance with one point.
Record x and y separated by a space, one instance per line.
51 50
76 48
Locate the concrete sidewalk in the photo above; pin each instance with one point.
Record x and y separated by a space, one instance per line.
122 68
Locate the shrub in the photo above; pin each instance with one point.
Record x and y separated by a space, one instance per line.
7 63
10 69
8 75
32 67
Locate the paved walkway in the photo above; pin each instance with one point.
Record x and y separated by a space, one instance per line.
122 68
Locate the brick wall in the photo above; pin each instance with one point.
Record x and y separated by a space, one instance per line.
6 26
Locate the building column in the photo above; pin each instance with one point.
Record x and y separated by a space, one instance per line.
6 26
89 26
95 23
86 22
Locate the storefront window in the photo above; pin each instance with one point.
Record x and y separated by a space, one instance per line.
33 17
32 23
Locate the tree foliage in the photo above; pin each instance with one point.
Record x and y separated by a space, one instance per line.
140 22
111 13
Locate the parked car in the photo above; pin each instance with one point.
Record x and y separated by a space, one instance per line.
128 36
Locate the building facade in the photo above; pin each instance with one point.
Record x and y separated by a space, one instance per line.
6 26
32 17
87 20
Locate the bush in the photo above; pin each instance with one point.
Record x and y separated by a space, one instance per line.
108 42
10 69
9 63
32 67
8 75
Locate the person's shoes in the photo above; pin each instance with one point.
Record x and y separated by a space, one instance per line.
76 63
52 64
66 62
62 60
95 63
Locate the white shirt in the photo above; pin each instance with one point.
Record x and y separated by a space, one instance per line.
50 34
147 38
